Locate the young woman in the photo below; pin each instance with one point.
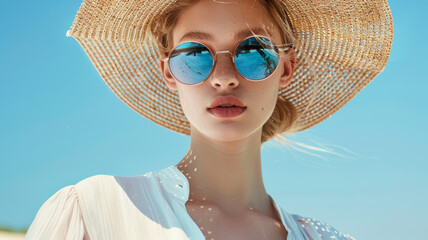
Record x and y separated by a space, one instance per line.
232 75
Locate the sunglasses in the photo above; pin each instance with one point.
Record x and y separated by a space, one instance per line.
255 58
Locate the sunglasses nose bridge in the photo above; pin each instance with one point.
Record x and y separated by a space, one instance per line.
224 51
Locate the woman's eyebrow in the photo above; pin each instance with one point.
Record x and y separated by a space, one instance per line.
207 36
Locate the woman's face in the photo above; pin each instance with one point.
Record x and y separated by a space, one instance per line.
222 21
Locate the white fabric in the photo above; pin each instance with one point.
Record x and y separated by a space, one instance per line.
149 207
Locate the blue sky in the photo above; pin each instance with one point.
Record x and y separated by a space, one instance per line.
60 123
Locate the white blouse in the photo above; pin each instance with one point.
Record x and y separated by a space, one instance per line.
149 207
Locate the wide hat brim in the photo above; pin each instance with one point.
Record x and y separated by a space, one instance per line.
341 46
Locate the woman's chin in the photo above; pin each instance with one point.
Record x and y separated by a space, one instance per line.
228 134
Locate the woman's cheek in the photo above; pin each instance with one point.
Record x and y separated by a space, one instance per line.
190 102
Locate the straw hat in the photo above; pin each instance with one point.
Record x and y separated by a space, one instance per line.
346 42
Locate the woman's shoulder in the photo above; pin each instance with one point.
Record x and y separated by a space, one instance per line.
102 184
319 230
149 181
97 199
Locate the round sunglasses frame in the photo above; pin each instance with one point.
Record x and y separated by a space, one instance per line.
232 54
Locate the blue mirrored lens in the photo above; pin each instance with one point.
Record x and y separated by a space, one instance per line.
255 58
191 63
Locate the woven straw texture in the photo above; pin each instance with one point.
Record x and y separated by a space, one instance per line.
341 45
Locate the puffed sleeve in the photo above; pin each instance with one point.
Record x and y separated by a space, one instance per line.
318 230
60 217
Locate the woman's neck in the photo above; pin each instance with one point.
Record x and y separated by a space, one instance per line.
226 174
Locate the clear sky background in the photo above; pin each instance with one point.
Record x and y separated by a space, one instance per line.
60 123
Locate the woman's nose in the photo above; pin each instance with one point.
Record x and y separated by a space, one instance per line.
224 73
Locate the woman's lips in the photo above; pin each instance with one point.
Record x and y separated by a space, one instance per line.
226 112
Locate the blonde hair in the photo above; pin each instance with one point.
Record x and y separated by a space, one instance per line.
284 117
